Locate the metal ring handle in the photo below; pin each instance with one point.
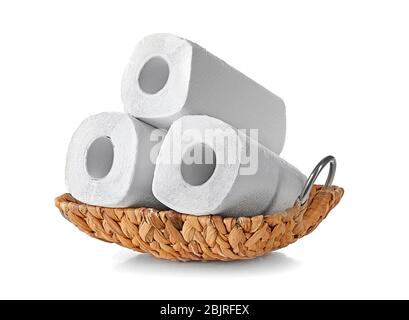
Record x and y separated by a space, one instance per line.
314 175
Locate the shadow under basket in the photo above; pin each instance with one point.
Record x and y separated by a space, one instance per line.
176 236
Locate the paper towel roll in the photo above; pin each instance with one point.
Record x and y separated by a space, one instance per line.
205 166
168 77
108 162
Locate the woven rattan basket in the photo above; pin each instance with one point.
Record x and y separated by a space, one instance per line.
176 236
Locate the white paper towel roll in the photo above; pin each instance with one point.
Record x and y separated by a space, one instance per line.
168 77
205 166
108 162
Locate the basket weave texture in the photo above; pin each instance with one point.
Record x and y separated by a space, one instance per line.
175 236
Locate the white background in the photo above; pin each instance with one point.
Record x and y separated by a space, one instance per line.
342 68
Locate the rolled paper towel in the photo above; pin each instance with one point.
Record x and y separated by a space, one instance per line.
108 162
205 166
168 77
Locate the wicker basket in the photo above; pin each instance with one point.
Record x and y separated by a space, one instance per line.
176 236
